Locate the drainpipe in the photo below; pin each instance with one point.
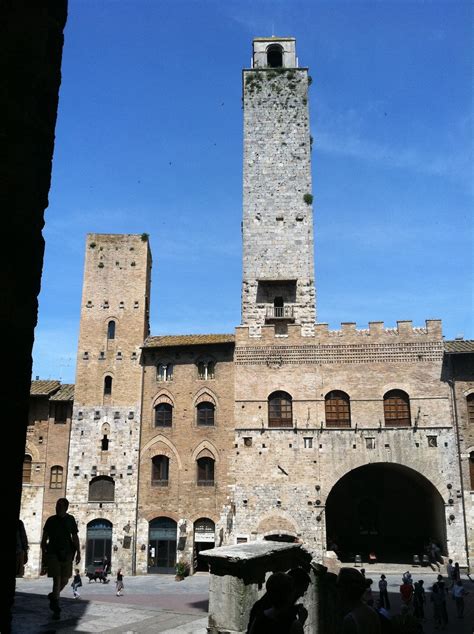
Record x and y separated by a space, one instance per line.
452 385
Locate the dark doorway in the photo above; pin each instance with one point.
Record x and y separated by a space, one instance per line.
204 539
386 508
162 546
280 537
99 541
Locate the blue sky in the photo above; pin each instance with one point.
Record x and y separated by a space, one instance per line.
149 139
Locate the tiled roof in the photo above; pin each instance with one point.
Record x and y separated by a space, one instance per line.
65 393
459 345
186 340
44 388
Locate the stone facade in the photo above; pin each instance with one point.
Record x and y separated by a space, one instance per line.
46 460
304 463
172 447
458 371
105 432
180 496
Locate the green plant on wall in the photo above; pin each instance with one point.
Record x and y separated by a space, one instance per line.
92 245
145 237
308 198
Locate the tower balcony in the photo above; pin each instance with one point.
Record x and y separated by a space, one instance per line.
279 313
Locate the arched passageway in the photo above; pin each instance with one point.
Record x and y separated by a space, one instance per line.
162 545
386 508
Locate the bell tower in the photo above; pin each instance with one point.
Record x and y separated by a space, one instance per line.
277 228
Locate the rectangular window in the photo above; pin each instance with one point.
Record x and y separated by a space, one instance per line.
432 441
60 411
308 443
56 479
370 443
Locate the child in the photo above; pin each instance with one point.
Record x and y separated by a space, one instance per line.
76 583
119 582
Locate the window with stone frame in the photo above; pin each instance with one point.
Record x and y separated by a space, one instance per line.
160 466
206 370
163 415
396 408
205 471
164 372
108 381
205 414
337 409
111 330
56 477
27 464
280 410
61 409
470 408
102 489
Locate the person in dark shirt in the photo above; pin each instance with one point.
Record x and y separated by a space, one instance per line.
59 544
281 617
301 581
21 549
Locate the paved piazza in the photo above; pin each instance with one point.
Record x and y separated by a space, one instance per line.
158 603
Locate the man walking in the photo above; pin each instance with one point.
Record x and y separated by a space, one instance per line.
59 544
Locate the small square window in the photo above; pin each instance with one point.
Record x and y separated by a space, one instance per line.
248 442
308 443
370 443
432 441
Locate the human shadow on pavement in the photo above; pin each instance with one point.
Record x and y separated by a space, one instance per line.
31 613
200 605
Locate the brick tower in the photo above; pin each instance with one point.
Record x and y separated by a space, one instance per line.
103 459
278 267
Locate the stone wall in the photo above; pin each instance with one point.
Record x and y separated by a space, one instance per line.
277 210
290 463
116 288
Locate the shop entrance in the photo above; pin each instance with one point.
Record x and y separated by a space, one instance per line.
162 546
204 539
98 541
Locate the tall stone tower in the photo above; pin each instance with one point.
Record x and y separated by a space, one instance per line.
105 432
278 264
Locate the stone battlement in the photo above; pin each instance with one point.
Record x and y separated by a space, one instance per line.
404 332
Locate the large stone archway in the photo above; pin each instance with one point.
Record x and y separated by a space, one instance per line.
386 508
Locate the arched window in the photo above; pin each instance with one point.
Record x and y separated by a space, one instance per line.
163 415
470 408
280 410
205 413
108 386
275 56
27 469
101 489
111 330
206 370
471 469
338 410
396 409
205 472
164 372
56 477
160 466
